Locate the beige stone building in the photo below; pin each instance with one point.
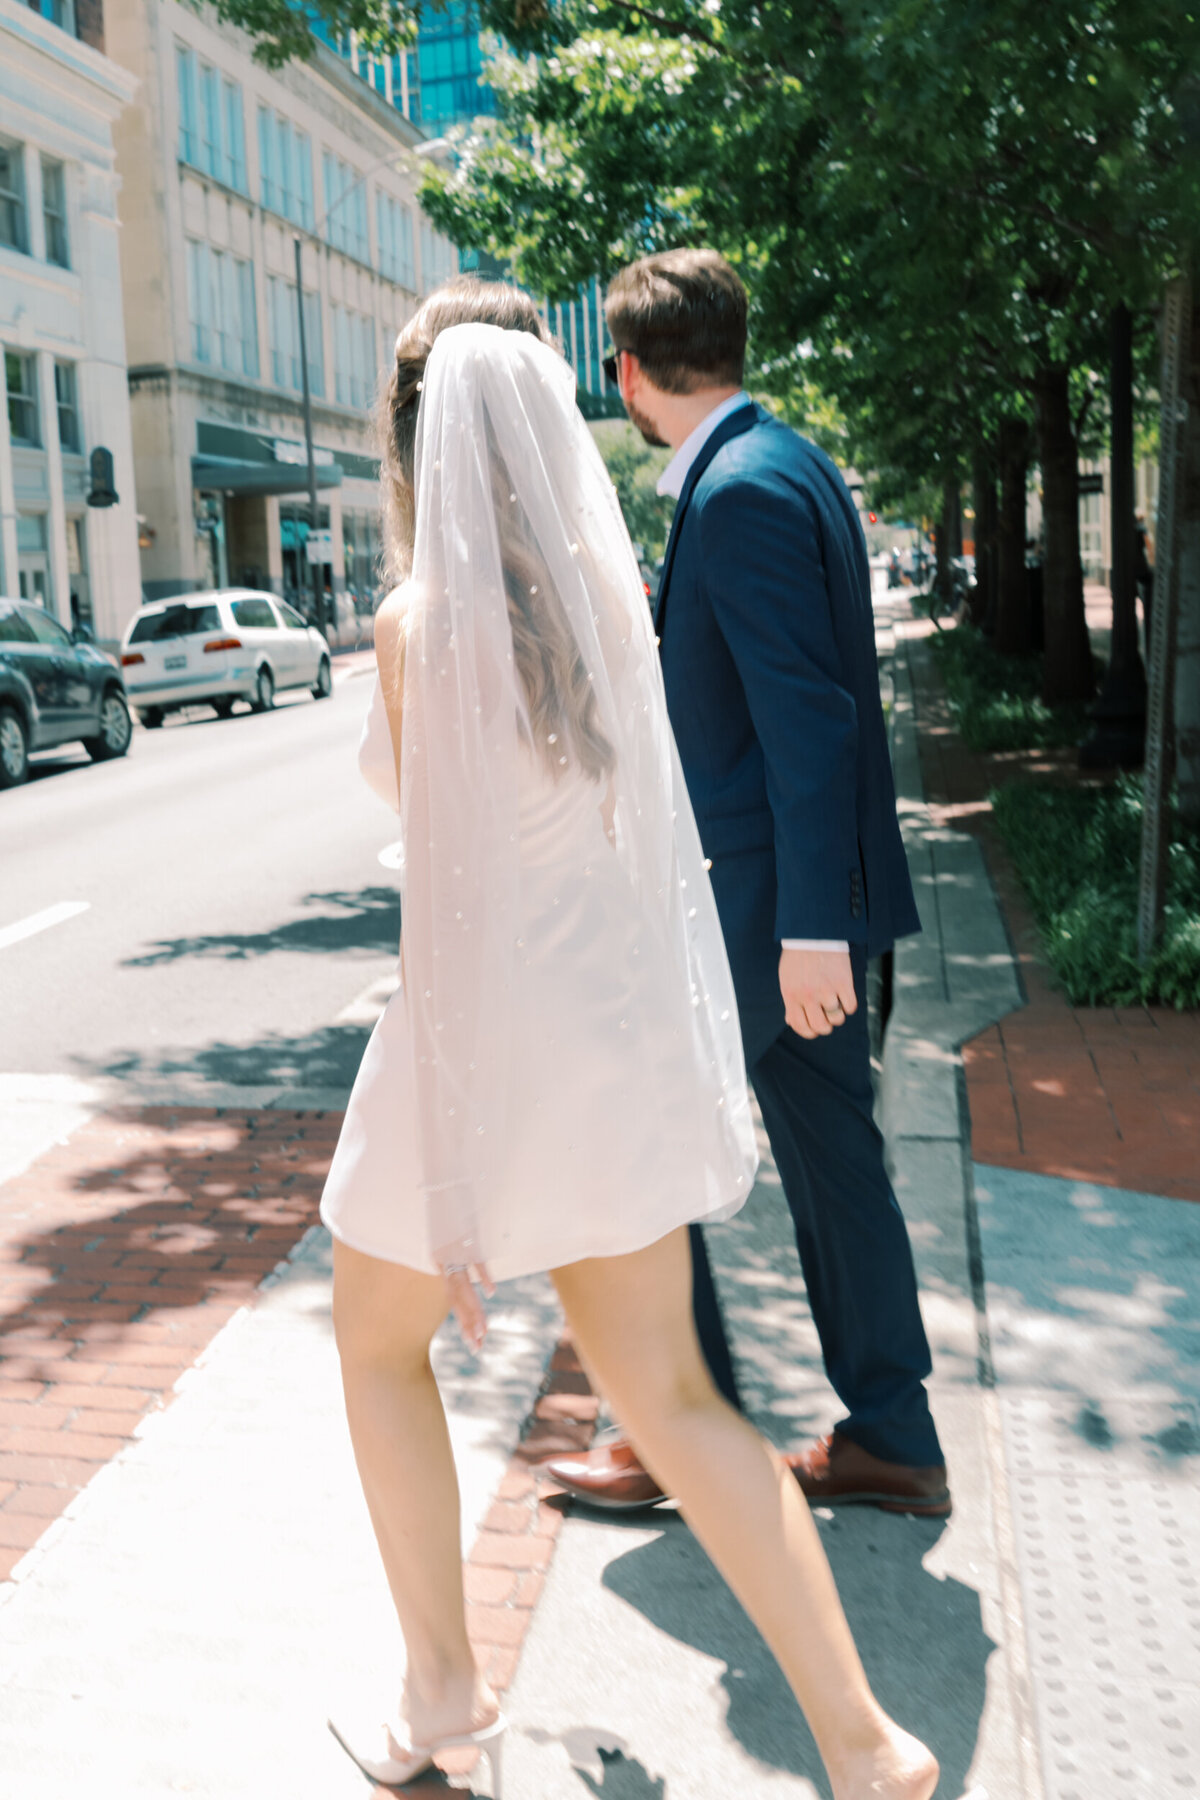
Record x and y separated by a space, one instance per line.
62 340
223 164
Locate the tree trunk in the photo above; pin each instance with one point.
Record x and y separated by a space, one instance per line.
983 481
1014 615
1187 638
942 544
1120 710
1067 672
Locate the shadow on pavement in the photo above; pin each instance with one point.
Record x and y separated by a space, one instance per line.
921 1638
143 1237
367 919
327 1057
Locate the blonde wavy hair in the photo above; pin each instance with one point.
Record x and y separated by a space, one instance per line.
561 705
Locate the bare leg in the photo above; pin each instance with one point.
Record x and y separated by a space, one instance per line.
632 1317
385 1317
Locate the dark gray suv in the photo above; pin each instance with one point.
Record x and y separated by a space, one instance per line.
54 690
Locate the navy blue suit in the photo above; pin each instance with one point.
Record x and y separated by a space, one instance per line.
768 650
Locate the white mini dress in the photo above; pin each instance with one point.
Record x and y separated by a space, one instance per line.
612 1141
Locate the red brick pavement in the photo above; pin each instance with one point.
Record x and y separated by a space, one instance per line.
1103 1094
122 1253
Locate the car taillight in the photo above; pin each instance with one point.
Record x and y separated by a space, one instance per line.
127 662
222 644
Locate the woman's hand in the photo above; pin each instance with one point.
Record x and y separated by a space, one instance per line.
462 1289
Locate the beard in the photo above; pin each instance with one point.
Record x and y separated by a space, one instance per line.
646 426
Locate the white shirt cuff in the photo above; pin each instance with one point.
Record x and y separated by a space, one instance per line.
815 944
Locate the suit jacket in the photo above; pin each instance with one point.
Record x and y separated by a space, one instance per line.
768 652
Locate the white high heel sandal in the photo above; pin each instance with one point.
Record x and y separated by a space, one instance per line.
380 1765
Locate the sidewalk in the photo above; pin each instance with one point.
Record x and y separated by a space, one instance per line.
201 1586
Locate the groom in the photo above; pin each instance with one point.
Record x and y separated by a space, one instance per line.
768 653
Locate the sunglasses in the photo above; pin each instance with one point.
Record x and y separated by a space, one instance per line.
609 365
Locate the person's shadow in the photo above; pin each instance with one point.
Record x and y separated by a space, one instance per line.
921 1638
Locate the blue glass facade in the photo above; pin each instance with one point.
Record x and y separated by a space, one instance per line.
450 63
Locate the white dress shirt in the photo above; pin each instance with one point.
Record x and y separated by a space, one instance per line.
670 485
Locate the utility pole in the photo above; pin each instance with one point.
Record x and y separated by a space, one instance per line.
313 518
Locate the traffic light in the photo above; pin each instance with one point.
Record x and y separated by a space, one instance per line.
873 518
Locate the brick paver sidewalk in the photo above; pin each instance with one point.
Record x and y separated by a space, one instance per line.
1104 1094
122 1253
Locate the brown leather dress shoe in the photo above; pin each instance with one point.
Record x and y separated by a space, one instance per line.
609 1476
838 1472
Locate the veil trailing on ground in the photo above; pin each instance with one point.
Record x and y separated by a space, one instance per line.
528 636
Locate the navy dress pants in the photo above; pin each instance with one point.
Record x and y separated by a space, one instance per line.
817 1105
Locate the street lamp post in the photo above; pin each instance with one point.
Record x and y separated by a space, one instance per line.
430 148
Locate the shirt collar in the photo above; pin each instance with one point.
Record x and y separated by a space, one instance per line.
670 482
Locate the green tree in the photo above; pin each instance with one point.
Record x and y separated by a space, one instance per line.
635 469
946 217
941 203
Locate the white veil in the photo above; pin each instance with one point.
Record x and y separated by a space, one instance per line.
498 428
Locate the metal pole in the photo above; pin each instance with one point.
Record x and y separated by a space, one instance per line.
318 584
1177 317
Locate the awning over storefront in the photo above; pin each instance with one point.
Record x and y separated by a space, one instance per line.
230 475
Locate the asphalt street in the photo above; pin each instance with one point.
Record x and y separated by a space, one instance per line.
215 900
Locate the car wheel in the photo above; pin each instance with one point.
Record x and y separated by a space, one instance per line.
264 691
116 729
224 706
151 717
323 685
14 748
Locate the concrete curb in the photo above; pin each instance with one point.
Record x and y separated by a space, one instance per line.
949 984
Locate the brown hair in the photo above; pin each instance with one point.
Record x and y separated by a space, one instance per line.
682 313
563 714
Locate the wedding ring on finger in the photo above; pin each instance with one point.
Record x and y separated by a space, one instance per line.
834 1013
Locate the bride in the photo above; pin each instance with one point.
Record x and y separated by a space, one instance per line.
558 1085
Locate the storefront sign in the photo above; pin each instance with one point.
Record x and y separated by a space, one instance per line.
318 546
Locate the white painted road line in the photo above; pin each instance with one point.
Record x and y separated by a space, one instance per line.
41 921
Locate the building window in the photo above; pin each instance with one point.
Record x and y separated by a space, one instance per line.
210 120
211 131
59 12
284 328
185 71
304 180
345 208
361 558
394 231
438 258
12 197
54 207
20 379
235 137
221 305
354 361
285 158
68 406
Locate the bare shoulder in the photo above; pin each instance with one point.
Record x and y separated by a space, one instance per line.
391 621
391 635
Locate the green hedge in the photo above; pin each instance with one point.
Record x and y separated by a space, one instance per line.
995 699
1076 851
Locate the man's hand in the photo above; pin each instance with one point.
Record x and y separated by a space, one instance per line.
818 990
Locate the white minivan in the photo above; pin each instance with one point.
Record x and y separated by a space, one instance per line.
218 648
